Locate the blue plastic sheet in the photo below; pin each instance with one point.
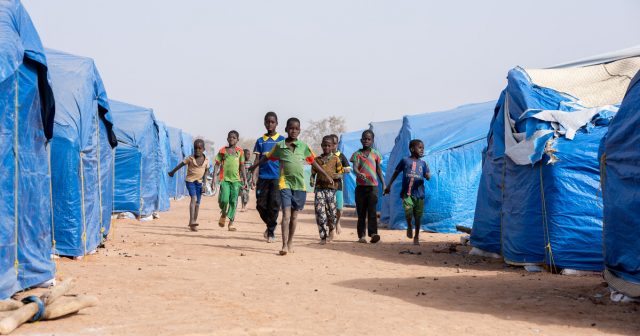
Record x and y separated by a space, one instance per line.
138 159
621 183
453 142
81 148
349 144
26 115
165 153
386 133
177 187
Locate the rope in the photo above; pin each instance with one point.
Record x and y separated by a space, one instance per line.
99 179
84 219
141 198
603 178
53 227
545 225
16 112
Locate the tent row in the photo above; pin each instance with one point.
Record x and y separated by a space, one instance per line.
71 157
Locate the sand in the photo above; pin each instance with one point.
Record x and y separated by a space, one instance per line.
157 278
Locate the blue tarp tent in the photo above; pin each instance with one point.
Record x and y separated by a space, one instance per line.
82 152
386 133
538 200
27 110
177 188
349 144
165 153
620 185
138 160
453 143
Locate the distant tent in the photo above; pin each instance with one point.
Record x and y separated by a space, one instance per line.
539 199
386 133
82 155
349 144
27 110
165 154
453 142
620 185
138 159
177 188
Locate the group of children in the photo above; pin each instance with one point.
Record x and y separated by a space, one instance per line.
277 175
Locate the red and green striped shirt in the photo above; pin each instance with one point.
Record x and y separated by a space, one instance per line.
366 165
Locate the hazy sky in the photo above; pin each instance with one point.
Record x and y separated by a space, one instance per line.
211 66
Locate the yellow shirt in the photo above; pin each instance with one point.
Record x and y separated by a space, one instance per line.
195 171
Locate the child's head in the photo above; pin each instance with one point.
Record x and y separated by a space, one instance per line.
198 147
293 128
335 141
327 144
247 154
232 138
271 121
367 138
416 147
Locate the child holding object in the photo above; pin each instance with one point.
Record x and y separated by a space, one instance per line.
230 166
366 166
291 154
197 167
414 171
325 198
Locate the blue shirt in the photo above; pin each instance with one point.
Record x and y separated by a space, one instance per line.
271 169
413 172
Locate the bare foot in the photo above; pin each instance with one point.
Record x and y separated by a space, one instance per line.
231 227
290 249
323 241
283 252
221 221
416 241
338 228
409 231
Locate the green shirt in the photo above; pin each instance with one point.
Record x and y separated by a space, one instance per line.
292 163
231 163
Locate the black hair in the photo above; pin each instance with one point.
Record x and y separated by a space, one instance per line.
290 120
414 143
271 114
198 141
327 138
234 132
373 136
335 138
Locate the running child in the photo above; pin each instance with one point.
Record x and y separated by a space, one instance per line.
325 198
366 166
244 191
291 153
230 165
340 187
414 171
265 179
197 167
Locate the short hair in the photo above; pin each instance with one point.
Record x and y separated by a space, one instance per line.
234 132
335 137
293 119
247 153
327 138
271 114
198 141
373 136
414 142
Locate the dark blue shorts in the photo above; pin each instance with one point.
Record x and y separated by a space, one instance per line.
195 189
293 199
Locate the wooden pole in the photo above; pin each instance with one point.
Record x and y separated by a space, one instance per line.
68 306
6 305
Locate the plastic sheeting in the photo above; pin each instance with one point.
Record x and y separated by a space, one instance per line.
549 210
177 187
453 142
620 184
26 120
349 144
165 153
82 155
138 159
386 133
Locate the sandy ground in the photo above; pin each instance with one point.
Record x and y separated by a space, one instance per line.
157 278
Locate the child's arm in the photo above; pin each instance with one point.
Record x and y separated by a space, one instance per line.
257 163
174 170
312 179
380 176
387 190
216 170
427 171
319 169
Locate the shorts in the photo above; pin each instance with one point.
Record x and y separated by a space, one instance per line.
195 189
413 206
339 200
293 199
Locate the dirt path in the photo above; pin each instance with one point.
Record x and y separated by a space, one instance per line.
156 278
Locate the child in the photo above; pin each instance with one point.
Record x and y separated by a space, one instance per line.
197 167
244 191
291 153
366 166
325 199
340 187
414 171
230 164
266 179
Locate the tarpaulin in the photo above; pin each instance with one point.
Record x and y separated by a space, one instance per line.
165 153
385 138
349 144
177 187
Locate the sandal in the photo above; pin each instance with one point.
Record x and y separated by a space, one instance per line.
221 221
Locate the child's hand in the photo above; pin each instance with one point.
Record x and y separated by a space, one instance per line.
328 177
386 191
171 174
362 176
312 183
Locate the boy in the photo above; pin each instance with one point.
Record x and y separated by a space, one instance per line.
291 153
265 178
325 198
414 171
244 191
197 167
340 187
366 166
230 164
